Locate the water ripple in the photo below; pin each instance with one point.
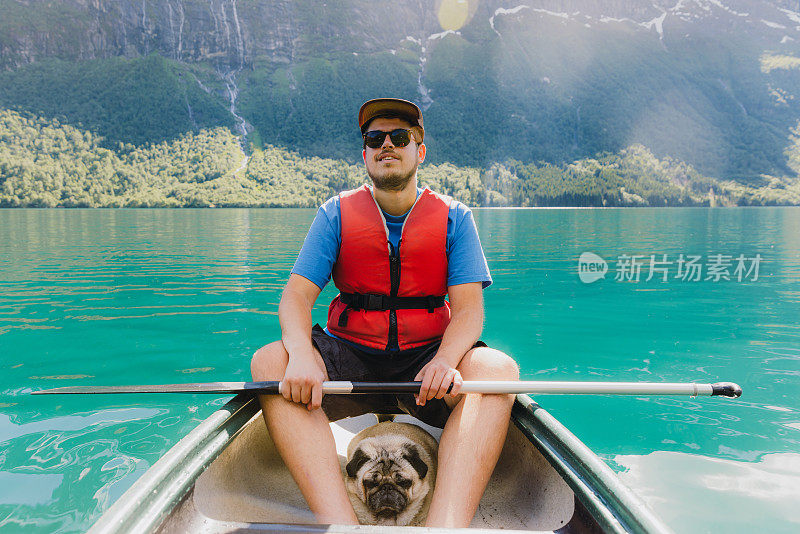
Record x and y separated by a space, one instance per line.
165 296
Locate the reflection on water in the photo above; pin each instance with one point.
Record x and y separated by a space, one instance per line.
168 296
77 461
681 487
30 489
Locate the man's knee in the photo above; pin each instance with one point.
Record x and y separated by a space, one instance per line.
484 363
269 362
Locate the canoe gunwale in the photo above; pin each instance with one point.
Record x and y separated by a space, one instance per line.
612 504
145 505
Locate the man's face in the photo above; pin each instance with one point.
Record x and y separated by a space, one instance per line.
391 167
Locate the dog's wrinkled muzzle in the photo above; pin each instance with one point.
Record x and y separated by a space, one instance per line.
387 500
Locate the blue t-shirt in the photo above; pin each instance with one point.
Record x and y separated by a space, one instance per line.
465 260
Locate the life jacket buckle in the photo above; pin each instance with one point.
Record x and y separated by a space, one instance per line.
375 302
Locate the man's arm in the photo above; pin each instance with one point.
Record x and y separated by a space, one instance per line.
311 272
466 324
305 372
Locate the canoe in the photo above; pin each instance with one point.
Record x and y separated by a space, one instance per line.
226 476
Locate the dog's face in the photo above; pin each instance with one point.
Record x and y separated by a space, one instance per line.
387 473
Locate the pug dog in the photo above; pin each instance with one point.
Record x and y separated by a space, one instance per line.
391 472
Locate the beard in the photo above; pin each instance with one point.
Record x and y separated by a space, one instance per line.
395 180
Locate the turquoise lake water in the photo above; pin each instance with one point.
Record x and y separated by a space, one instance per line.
162 296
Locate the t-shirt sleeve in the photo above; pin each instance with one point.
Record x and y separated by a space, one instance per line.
321 246
465 259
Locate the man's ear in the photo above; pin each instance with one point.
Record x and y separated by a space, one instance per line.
421 150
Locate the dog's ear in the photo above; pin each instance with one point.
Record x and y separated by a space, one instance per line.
359 459
411 455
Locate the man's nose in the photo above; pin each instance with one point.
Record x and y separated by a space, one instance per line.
387 141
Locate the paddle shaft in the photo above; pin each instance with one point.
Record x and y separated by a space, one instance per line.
724 389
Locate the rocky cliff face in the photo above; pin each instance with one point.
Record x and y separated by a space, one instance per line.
229 33
179 29
236 33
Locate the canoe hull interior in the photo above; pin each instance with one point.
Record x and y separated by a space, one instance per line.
226 476
249 483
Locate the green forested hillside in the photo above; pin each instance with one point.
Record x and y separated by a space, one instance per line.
312 107
714 86
541 93
132 101
44 163
546 92
523 106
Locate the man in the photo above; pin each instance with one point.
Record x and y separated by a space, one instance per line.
410 334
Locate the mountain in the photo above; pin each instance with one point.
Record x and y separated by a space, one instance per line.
711 83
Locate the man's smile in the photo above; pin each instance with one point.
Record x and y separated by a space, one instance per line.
388 157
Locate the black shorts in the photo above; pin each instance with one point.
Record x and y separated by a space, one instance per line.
346 362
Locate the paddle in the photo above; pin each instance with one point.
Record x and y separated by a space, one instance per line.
723 389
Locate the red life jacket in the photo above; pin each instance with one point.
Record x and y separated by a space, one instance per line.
370 309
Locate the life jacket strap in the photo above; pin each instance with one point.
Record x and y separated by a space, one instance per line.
372 302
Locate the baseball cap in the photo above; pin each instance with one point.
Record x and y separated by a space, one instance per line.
381 107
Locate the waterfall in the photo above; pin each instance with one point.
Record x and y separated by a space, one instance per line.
124 28
202 86
177 39
229 76
172 31
225 24
145 35
233 94
180 30
424 43
189 108
221 16
239 40
214 18
229 68
424 92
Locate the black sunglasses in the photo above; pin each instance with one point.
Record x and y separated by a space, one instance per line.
399 137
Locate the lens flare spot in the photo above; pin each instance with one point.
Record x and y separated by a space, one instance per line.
453 14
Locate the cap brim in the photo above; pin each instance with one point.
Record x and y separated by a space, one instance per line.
389 106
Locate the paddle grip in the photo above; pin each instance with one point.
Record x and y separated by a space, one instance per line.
398 387
726 389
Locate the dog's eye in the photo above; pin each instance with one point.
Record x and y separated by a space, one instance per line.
370 483
403 482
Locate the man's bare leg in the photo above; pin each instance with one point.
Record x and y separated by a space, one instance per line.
472 440
304 440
